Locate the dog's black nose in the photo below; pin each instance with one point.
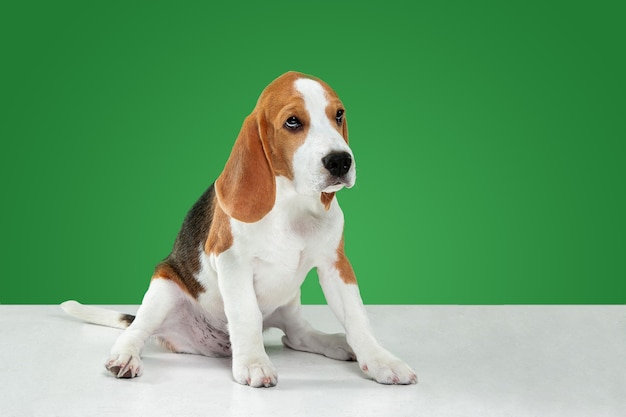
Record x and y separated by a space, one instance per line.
337 163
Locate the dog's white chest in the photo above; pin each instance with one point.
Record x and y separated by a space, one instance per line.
283 248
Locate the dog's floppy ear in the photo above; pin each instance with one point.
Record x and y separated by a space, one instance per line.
246 189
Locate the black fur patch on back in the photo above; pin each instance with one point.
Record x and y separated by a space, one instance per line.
184 260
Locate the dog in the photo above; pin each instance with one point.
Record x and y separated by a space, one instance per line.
247 244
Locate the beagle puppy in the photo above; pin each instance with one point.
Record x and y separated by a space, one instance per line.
246 246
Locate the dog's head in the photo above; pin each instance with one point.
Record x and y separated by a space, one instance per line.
298 130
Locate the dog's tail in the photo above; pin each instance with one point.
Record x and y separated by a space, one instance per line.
97 315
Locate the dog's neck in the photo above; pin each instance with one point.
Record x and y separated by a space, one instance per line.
315 204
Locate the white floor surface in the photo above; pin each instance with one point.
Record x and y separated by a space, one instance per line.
471 361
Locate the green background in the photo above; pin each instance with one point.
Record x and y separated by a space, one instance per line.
489 136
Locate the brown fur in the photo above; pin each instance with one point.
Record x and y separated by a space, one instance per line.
246 189
220 237
326 199
190 286
343 265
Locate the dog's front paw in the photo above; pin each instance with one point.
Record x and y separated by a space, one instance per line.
385 368
256 372
124 365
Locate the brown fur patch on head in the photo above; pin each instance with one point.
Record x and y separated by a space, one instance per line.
343 265
278 102
334 105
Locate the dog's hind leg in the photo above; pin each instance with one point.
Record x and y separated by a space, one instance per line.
161 298
300 335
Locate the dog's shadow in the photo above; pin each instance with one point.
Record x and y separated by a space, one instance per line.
163 365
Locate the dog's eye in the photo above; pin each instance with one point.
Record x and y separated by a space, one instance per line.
293 123
339 117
